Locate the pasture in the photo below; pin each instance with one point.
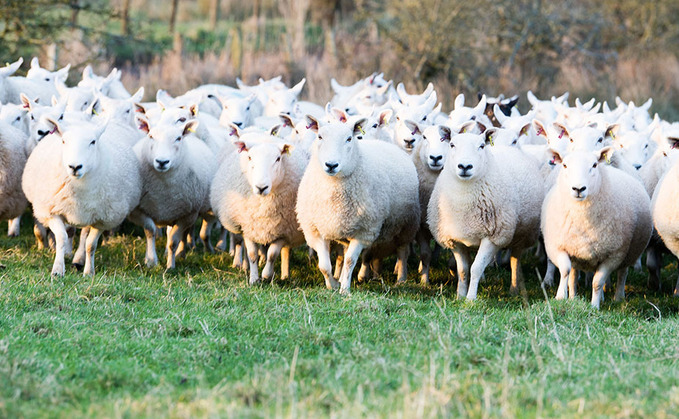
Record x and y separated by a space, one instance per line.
199 342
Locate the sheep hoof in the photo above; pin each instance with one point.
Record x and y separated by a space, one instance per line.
345 291
78 266
514 290
424 282
58 271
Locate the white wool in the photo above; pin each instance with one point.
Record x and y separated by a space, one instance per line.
12 162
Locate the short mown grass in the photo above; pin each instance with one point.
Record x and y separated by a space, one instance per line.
196 342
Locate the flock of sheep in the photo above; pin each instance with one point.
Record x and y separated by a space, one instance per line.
364 178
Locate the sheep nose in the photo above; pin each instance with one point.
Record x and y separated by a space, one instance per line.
465 168
331 166
162 163
238 124
409 143
43 133
637 166
261 189
435 159
75 169
579 190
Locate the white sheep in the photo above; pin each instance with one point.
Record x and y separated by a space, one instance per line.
596 218
47 80
176 170
363 194
487 198
12 162
11 87
254 194
81 178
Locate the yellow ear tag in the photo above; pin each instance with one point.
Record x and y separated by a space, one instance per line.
463 130
612 136
492 144
608 159
192 130
94 112
360 128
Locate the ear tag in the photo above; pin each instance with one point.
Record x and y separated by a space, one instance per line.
524 131
94 112
360 128
492 143
463 130
540 131
608 159
562 133
612 135
192 130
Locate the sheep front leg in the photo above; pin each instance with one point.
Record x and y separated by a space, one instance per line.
40 233
92 240
79 257
517 274
485 254
253 257
351 256
563 262
425 256
549 274
598 282
271 255
285 262
205 230
402 263
573 283
461 255
221 242
14 227
144 221
620 285
56 224
174 237
322 249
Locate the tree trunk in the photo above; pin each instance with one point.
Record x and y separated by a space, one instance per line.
75 9
173 15
214 13
126 17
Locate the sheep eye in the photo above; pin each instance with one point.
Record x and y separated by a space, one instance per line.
482 146
182 119
424 118
600 140
348 139
572 140
18 118
249 158
92 142
564 166
61 117
32 118
247 109
47 79
178 139
374 125
473 118
452 145
278 159
514 142
320 138
646 146
594 165
360 137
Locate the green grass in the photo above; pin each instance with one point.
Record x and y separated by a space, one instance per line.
132 342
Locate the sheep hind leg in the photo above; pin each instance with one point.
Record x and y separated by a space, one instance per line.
40 233
351 256
253 257
461 255
222 241
600 278
322 248
425 257
364 272
174 237
79 256
549 274
484 256
563 262
653 263
271 256
402 255
205 231
517 285
92 240
144 221
573 283
285 262
56 224
620 285
14 227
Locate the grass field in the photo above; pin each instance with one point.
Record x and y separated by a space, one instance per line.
197 342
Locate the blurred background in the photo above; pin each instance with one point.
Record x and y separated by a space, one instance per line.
592 48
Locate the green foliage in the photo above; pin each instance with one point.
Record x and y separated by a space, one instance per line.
198 342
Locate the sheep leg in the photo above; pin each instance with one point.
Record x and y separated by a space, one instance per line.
653 262
563 261
676 289
56 224
549 274
402 255
598 282
338 264
173 239
364 271
285 262
322 248
425 256
253 256
205 230
221 242
79 257
573 283
461 255
14 226
517 274
40 233
92 240
376 266
620 285
351 256
232 242
271 255
485 254
144 221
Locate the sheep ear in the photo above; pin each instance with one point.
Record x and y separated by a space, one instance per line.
490 136
413 127
142 124
612 131
563 132
26 102
190 127
359 126
297 89
93 108
524 130
286 148
444 132
138 95
56 129
138 107
499 115
385 117
647 105
55 101
605 154
234 130
62 74
275 130
556 156
286 120
35 63
87 72
539 128
339 114
240 146
312 123
673 142
459 101
10 69
467 127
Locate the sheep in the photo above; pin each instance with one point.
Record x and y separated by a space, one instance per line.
78 176
429 159
11 87
47 80
176 170
12 161
596 218
487 198
110 85
254 194
363 194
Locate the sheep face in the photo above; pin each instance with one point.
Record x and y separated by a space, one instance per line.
77 99
15 115
634 146
43 75
580 175
262 164
585 139
468 156
435 145
237 111
283 101
38 120
80 153
407 134
167 147
337 148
